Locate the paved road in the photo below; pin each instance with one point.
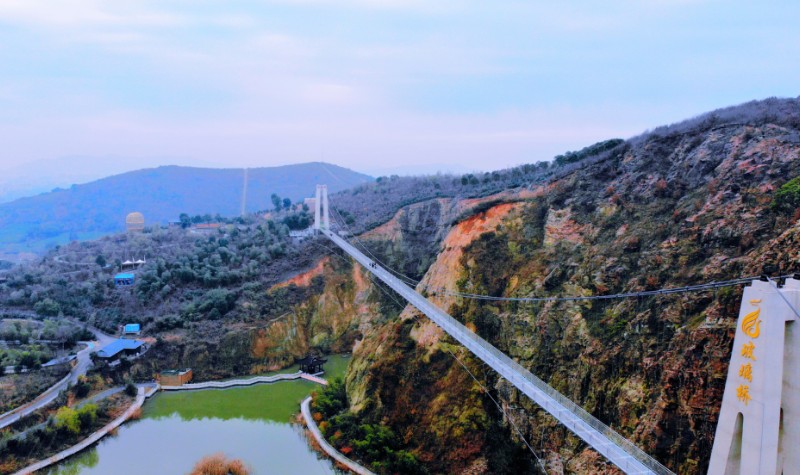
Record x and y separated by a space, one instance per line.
82 365
603 439
50 395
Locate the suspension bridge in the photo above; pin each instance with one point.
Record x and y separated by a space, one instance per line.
759 425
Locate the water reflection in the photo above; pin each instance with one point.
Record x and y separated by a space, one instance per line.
178 429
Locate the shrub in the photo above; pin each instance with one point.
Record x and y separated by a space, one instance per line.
332 399
87 415
47 307
131 389
218 464
82 388
67 420
787 198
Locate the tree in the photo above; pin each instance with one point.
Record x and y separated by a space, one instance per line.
332 399
787 198
87 415
82 387
67 420
47 307
100 260
185 220
276 201
28 360
130 389
287 203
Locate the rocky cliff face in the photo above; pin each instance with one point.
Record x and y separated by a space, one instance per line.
688 204
335 307
672 209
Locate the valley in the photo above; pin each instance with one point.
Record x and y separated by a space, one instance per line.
706 200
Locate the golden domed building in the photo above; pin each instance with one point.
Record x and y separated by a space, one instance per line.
135 222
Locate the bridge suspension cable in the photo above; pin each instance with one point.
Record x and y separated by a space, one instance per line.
508 418
572 298
602 438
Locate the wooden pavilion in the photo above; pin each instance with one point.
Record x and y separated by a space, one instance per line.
312 364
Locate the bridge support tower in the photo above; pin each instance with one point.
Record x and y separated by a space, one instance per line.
321 212
758 431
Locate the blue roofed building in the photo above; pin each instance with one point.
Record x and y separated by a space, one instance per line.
124 280
121 347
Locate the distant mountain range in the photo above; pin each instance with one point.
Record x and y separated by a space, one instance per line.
93 209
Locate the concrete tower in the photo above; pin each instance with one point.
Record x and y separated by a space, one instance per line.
758 432
321 212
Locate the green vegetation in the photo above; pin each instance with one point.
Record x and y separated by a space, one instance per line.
375 444
387 194
198 277
47 307
130 389
787 198
82 388
64 429
67 419
18 389
586 152
277 402
34 343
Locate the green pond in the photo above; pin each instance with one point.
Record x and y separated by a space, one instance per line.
179 428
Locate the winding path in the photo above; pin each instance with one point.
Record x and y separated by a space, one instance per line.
50 395
84 362
234 382
305 408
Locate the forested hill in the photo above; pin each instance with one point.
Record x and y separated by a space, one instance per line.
161 194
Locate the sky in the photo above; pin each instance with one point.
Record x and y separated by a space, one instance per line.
91 87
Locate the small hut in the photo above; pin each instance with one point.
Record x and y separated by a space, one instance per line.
124 280
175 377
131 329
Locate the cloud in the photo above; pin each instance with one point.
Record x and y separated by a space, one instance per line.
81 13
412 5
366 81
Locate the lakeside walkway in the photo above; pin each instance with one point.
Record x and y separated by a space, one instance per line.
305 408
137 404
234 382
145 391
247 382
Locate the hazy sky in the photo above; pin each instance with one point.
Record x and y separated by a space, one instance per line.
371 84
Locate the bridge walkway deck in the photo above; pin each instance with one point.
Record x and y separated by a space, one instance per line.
617 449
